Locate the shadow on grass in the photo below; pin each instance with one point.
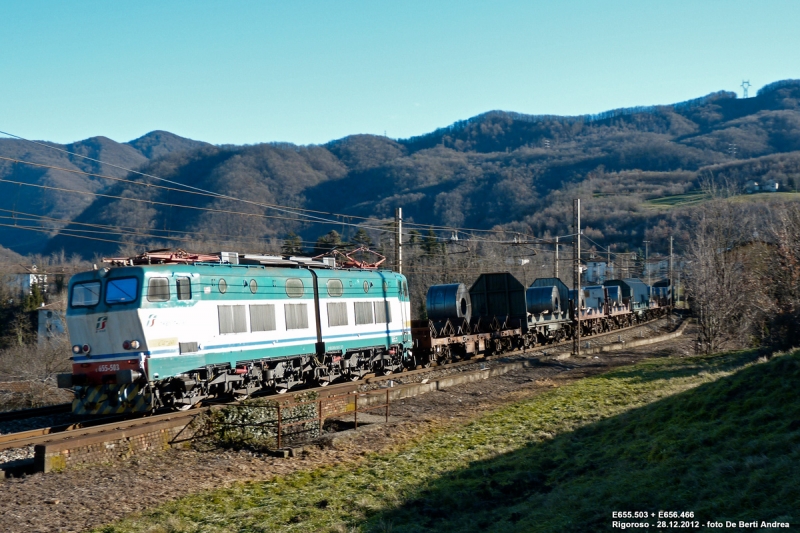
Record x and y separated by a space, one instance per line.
726 450
655 368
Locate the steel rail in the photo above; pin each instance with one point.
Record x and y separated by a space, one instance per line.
93 428
21 414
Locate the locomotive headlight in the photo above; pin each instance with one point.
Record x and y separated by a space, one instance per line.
135 345
87 348
76 349
126 345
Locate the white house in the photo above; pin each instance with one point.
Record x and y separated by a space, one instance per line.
598 272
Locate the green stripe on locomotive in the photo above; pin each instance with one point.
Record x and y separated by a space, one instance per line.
165 366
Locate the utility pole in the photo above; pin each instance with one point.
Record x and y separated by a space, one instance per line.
608 263
576 279
556 269
647 269
671 286
398 239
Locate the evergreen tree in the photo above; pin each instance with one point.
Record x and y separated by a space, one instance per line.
362 238
292 245
431 244
328 242
35 299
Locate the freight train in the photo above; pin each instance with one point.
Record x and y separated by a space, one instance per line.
170 329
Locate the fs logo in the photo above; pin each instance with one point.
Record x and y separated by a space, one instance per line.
151 321
101 324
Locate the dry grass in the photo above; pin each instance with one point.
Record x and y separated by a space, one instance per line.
718 435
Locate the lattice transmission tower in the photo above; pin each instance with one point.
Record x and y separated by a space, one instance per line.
745 85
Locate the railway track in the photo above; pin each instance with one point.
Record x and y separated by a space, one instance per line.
118 426
21 414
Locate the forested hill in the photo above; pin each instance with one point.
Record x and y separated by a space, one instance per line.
632 168
48 196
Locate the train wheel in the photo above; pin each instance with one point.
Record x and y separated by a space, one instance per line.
281 387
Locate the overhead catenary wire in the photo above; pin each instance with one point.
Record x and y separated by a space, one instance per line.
21 216
152 185
286 209
217 195
225 211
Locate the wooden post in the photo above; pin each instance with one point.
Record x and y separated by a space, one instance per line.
280 429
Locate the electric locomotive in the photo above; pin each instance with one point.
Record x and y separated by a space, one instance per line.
173 329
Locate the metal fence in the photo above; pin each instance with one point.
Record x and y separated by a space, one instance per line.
293 421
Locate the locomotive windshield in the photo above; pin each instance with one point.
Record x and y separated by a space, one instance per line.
120 291
85 294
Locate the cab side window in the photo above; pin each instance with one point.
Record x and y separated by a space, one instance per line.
184 286
158 290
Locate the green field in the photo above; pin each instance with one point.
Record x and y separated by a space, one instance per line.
694 198
678 200
718 436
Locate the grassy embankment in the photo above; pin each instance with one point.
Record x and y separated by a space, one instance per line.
716 435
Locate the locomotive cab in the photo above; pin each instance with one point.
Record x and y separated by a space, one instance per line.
109 366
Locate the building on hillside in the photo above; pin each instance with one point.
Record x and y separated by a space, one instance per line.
770 186
598 272
753 186
656 268
23 283
52 323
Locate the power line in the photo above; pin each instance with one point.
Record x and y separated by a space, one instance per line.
224 211
151 185
197 190
191 192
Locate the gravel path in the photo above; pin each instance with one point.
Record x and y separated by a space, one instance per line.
82 498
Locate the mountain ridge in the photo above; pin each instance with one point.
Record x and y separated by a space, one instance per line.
497 169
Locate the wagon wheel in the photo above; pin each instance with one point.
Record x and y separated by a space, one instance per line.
497 346
430 360
281 387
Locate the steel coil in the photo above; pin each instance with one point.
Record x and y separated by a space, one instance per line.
614 295
579 297
449 301
542 300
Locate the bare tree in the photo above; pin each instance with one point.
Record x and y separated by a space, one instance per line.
781 279
717 280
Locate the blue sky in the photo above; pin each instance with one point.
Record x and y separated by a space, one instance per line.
313 71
